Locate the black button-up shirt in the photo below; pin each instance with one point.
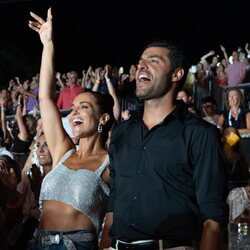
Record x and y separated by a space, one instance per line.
167 181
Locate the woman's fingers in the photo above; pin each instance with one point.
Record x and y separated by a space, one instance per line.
49 15
38 18
34 25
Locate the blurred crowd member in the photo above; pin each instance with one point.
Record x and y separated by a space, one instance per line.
10 176
236 72
101 81
26 131
126 91
69 92
6 101
88 78
186 96
209 110
238 166
220 81
31 92
220 76
235 115
111 90
203 82
29 190
7 131
3 150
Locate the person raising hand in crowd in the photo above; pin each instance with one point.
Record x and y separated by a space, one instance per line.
74 194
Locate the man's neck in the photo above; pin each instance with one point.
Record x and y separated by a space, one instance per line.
72 85
156 110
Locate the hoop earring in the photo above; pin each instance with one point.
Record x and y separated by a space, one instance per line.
99 128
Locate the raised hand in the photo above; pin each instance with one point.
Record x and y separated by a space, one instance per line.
44 28
35 178
7 175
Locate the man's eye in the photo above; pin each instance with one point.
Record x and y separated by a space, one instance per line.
153 60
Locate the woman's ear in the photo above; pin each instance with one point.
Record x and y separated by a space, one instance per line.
104 118
177 75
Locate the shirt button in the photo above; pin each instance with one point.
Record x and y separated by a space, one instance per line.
138 172
132 224
135 198
144 148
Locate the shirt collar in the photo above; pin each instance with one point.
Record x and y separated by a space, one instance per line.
180 111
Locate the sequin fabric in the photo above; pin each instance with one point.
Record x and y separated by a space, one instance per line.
238 201
82 189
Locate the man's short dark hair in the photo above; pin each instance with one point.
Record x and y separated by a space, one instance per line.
209 99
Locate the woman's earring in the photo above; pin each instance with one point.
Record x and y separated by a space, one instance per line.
99 128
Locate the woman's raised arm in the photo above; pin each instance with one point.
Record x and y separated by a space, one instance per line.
57 139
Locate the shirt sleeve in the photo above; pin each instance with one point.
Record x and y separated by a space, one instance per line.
114 135
210 175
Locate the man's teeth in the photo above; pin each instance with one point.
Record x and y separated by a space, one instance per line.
142 76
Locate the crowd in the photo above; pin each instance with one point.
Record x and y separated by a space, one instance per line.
63 182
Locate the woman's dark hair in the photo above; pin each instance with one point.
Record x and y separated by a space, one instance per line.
105 103
30 123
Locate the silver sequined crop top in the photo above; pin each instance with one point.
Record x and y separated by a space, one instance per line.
82 189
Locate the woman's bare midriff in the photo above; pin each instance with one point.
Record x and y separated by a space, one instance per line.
58 216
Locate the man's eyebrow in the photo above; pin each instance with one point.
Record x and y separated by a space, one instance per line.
152 56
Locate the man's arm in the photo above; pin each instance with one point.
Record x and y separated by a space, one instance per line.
211 185
105 238
211 236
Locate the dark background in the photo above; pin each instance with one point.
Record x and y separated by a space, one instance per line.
91 32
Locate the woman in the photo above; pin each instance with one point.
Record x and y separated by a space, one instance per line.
236 116
74 194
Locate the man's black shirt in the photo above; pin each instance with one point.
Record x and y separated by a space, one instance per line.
167 181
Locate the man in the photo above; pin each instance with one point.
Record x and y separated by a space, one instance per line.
167 173
236 72
209 110
68 93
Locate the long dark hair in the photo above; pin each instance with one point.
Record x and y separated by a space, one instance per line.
105 104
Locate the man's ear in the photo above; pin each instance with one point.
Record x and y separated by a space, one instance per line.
177 75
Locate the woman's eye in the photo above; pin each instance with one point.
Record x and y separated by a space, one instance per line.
84 106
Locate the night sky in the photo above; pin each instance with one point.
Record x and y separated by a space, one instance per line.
91 32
